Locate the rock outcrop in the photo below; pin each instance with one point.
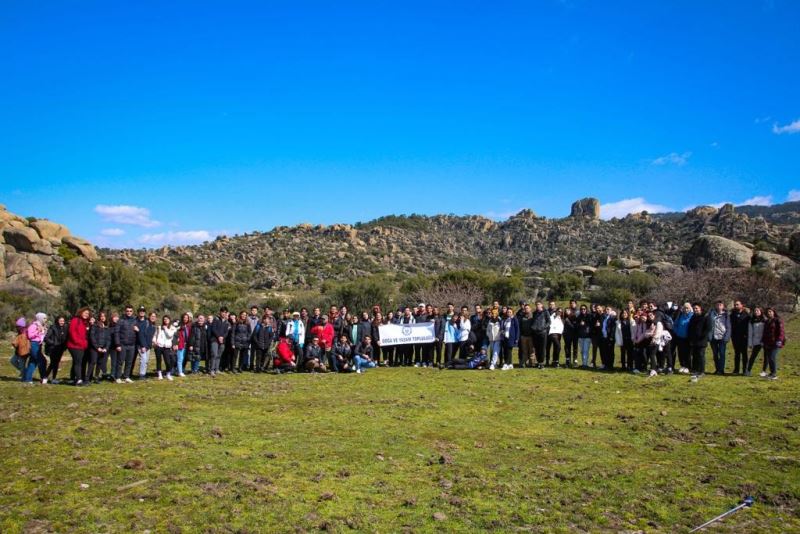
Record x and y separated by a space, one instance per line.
29 248
717 251
586 207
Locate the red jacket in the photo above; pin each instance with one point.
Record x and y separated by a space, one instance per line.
283 354
773 334
78 338
184 335
325 335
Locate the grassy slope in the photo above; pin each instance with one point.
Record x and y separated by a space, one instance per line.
553 450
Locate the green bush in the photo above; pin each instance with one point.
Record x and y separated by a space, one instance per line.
638 283
66 253
564 285
361 294
99 285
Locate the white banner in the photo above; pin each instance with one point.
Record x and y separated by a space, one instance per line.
403 334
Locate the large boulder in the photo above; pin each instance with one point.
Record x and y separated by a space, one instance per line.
81 246
702 212
794 244
2 263
717 251
771 261
24 266
26 239
49 230
585 208
660 268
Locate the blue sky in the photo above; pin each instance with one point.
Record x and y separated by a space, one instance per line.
139 124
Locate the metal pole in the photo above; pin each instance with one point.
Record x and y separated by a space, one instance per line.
746 503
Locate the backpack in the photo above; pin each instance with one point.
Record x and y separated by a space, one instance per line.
22 345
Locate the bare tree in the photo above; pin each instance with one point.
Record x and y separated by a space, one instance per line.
709 285
440 294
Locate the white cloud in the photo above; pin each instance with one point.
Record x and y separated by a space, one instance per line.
123 214
500 216
189 237
759 120
673 158
791 128
794 195
113 232
765 200
630 205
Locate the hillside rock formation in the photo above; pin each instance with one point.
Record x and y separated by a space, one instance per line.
305 256
29 247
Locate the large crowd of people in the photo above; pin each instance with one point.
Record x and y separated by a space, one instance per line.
637 339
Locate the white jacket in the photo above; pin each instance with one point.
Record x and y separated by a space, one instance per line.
556 324
164 336
493 331
463 334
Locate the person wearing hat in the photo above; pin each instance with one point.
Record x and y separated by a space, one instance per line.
22 348
35 332
296 330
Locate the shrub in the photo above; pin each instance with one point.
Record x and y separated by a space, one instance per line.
564 285
66 253
99 285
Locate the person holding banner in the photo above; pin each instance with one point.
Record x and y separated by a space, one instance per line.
405 352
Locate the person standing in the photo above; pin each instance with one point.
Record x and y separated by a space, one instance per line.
35 333
553 350
700 329
241 336
681 334
99 345
525 321
740 328
720 334
78 342
540 327
263 335
254 319
197 346
146 332
773 340
296 329
509 332
55 343
494 338
623 338
570 336
218 333
583 329
608 336
755 336
166 342
125 346
439 324
405 353
184 336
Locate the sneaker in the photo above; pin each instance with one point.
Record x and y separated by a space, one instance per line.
358 371
773 377
118 381
181 375
669 371
169 376
128 381
748 373
160 376
636 371
653 373
44 381
762 374
55 381
79 383
415 365
492 367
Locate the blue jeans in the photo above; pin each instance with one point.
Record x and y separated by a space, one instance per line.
33 362
772 361
180 354
362 363
585 345
718 347
196 364
496 351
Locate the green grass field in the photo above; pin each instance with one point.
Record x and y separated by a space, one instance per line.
403 450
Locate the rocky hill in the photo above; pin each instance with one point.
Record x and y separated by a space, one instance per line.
304 256
30 248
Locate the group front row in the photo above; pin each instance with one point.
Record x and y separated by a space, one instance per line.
648 340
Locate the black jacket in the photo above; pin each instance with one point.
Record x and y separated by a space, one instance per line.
583 325
362 349
56 337
540 322
220 328
198 340
740 326
312 352
438 328
99 337
124 333
700 327
341 352
526 326
241 335
263 336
